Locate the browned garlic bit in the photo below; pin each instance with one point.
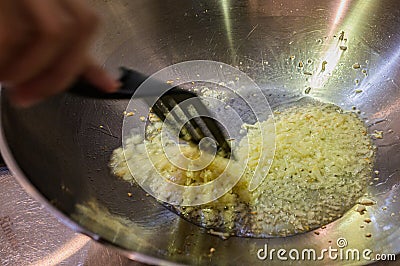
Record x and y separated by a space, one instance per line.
378 134
324 63
341 36
212 250
366 202
361 209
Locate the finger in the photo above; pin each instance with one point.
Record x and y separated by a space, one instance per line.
54 30
66 68
15 31
48 83
95 74
99 78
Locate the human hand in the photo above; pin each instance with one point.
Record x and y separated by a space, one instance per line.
44 47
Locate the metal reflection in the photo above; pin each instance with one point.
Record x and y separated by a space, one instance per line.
339 13
337 46
384 69
64 252
225 5
327 65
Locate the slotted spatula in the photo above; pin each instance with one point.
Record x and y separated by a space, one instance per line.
196 128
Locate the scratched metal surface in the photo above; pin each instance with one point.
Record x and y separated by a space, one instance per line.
68 162
29 234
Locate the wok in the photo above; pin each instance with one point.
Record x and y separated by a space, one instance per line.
59 153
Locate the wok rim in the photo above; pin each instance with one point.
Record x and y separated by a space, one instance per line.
21 178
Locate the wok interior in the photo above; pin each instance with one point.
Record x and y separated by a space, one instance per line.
64 153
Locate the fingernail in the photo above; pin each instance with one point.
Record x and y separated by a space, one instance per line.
111 84
102 80
22 101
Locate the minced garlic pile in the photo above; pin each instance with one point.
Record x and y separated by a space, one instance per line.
322 162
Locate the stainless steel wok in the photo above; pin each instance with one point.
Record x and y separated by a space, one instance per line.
60 154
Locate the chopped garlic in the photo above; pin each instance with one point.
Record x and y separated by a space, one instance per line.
378 134
311 158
